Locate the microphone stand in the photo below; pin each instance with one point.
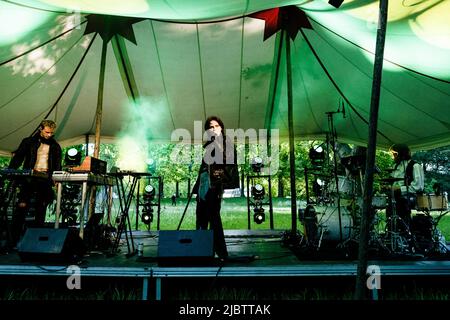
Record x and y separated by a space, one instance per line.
212 139
187 204
333 146
192 191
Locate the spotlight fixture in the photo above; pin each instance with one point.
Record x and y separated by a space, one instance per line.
258 192
150 165
335 3
318 186
70 199
149 192
147 215
257 164
317 156
259 216
72 158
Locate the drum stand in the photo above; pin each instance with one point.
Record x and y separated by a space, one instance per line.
397 241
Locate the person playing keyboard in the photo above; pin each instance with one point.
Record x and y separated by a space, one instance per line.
41 153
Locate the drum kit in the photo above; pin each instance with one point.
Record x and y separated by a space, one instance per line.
334 219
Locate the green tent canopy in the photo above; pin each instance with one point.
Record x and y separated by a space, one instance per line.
170 63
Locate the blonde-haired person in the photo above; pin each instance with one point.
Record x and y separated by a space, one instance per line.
41 153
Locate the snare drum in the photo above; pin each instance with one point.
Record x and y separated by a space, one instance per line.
431 202
346 185
325 225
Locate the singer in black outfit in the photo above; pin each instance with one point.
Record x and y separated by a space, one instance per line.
41 153
218 171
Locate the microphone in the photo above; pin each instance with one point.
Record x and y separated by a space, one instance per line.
210 139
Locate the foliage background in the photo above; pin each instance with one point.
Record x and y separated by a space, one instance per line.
179 179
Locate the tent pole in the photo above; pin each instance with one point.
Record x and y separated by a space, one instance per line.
98 121
86 141
291 135
98 114
367 212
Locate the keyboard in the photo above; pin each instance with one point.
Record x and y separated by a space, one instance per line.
17 173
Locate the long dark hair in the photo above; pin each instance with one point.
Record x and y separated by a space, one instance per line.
214 118
403 152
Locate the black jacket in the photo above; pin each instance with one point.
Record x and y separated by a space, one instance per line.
225 174
26 154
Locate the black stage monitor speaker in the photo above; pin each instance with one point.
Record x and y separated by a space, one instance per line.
185 247
51 245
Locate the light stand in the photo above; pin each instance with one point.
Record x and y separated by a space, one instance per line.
151 198
71 199
124 224
333 146
8 195
258 199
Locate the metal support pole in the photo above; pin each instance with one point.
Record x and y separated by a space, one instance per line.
145 289
158 288
248 204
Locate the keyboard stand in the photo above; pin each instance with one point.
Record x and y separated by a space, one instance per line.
125 199
87 180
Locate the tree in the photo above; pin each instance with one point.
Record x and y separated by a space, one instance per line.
4 161
436 167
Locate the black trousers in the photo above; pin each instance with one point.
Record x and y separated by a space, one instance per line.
208 214
32 203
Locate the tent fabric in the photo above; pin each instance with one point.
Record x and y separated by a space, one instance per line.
196 58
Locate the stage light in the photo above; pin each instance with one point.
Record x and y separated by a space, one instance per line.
317 156
149 192
318 187
70 199
151 166
258 192
147 215
335 3
72 158
320 182
259 216
257 164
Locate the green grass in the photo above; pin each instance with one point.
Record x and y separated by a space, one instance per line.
444 227
54 288
234 215
198 289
